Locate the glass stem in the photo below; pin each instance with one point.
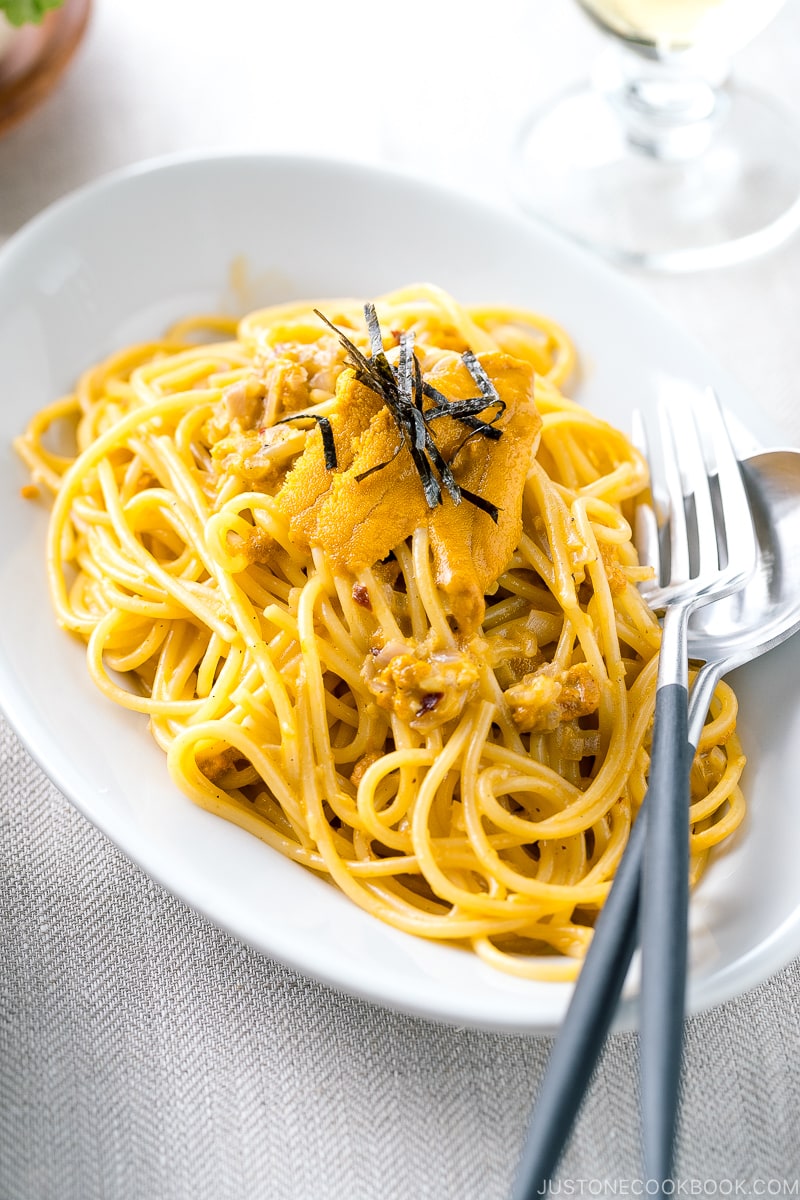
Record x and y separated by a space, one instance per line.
668 104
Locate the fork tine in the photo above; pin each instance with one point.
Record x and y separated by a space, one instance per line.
710 544
697 488
736 522
646 534
679 563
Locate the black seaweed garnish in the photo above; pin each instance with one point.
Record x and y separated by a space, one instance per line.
325 428
404 393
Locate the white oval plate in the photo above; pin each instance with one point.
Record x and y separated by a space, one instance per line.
118 260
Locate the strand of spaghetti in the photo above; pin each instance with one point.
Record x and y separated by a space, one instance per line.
569 894
718 730
45 465
490 690
373 821
552 970
143 648
528 888
340 653
181 330
700 809
591 805
452 313
120 695
238 607
74 480
181 759
429 596
416 609
608 524
600 609
380 902
314 688
723 826
245 620
563 353
380 608
175 588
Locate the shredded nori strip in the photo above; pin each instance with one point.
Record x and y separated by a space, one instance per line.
487 388
464 411
419 386
404 392
405 380
325 428
479 502
380 466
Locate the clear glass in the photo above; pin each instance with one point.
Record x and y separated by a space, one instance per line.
660 161
673 25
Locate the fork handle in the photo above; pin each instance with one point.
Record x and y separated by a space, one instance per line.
664 930
598 987
586 1024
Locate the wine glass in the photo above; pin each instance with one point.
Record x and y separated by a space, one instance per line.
660 161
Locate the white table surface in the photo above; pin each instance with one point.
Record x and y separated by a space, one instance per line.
143 1053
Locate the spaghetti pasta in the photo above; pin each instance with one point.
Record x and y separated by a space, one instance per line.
443 705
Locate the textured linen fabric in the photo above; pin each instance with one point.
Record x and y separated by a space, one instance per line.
144 1054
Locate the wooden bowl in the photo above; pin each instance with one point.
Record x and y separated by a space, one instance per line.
36 57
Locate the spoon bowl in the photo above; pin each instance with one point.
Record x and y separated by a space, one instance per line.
766 611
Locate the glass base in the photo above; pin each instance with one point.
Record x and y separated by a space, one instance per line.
581 169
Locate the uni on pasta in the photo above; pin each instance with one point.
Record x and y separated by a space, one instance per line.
404 648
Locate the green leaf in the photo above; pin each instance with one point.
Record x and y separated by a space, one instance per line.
22 12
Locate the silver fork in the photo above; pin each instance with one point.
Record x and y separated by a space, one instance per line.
706 550
712 552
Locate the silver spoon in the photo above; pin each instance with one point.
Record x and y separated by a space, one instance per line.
766 612
726 635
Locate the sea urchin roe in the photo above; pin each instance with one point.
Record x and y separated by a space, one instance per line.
546 697
257 456
358 518
422 686
617 579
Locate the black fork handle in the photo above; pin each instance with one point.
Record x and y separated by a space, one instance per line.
599 985
586 1024
664 932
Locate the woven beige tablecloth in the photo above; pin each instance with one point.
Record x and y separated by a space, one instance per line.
145 1054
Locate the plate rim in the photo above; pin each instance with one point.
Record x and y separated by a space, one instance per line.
748 971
